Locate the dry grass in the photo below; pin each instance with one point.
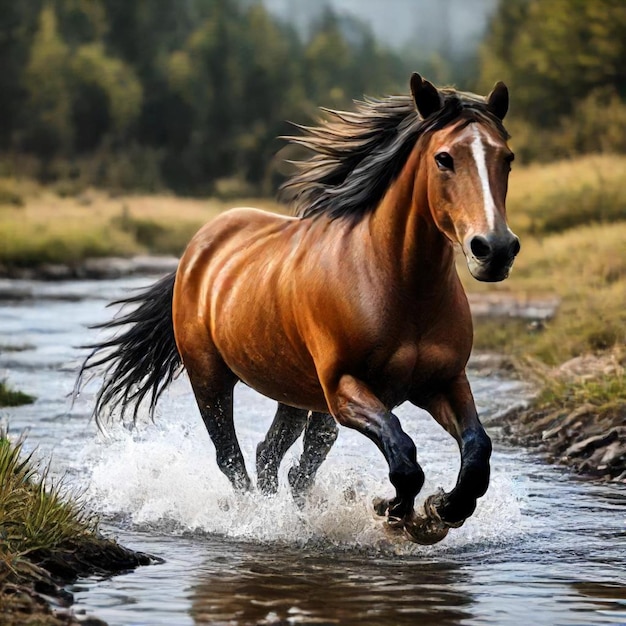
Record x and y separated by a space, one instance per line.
586 268
552 198
51 229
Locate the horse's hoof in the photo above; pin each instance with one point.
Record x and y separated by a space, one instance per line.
425 530
381 506
429 528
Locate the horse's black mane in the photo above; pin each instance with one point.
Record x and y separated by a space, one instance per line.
358 154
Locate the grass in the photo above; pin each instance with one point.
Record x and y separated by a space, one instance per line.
48 228
47 538
10 397
586 268
553 198
34 516
605 391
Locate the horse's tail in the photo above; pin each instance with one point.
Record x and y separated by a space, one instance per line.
142 360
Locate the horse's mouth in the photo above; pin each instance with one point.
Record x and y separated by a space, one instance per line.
489 272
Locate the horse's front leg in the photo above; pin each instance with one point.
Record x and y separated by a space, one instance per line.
453 407
355 406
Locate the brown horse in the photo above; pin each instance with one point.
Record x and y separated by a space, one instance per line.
350 308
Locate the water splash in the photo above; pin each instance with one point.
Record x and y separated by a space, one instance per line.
163 476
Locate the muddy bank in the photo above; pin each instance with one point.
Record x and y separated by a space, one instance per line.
103 268
33 587
587 436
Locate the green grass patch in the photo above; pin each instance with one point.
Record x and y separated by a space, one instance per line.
58 243
606 392
156 236
35 516
47 538
10 397
68 230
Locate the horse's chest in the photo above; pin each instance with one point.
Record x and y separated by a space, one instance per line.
415 369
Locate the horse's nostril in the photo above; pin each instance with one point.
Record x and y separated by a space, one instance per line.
515 247
480 247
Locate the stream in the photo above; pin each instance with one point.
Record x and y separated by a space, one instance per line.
542 548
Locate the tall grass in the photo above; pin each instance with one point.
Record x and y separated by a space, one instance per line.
35 516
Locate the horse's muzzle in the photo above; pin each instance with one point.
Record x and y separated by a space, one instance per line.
490 257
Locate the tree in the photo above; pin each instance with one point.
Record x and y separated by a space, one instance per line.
47 83
552 53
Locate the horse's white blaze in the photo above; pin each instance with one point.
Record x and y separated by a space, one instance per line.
478 152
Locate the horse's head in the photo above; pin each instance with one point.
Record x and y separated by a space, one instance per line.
467 165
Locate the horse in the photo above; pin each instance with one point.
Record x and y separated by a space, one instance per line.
345 309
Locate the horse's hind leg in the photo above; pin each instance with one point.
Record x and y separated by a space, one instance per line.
319 436
287 426
213 385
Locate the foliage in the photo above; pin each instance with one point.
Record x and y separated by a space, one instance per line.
563 61
46 81
198 90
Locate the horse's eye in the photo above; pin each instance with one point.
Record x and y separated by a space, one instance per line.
444 161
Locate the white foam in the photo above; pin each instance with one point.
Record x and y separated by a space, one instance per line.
164 475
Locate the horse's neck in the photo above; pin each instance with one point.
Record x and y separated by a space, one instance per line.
417 253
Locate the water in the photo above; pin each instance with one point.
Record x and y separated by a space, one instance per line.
542 546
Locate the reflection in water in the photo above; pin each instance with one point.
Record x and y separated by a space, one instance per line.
253 587
606 598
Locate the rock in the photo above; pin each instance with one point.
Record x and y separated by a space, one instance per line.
588 445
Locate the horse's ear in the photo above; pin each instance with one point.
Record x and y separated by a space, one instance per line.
427 99
498 100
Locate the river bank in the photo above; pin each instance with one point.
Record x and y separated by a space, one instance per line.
578 417
49 540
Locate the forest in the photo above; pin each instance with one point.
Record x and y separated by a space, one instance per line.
191 96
